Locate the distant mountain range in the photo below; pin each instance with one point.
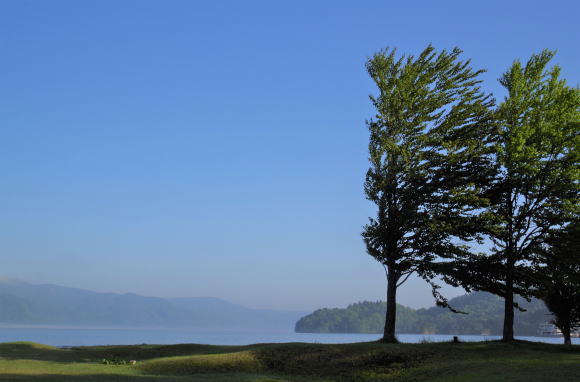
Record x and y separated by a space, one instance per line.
22 303
485 317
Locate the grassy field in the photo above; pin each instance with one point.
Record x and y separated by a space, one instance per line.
483 361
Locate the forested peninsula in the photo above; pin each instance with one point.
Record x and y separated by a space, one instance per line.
484 317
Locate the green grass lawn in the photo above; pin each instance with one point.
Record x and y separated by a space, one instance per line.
477 361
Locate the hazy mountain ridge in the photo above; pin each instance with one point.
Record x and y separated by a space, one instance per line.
29 304
485 317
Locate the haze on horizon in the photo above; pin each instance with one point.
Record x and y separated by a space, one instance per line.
181 149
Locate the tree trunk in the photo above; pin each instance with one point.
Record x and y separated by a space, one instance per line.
508 319
566 333
390 319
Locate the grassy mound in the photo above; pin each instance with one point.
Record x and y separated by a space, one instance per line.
31 345
243 361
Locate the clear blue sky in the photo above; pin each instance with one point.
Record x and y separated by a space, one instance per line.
188 148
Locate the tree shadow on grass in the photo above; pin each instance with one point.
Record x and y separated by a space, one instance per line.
85 378
33 351
343 363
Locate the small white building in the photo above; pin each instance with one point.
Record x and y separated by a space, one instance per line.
548 329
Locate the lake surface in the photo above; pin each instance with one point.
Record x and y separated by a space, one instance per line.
63 336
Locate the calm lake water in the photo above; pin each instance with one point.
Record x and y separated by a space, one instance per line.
62 336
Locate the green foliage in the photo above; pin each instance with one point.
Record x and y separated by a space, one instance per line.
425 154
485 317
116 361
538 152
429 110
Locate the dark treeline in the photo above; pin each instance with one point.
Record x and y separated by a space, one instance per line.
485 318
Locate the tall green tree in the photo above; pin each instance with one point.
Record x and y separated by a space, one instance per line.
535 189
426 158
560 269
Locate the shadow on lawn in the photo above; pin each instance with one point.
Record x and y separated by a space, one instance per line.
85 378
345 363
33 351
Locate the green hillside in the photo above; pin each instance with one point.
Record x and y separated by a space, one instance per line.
484 316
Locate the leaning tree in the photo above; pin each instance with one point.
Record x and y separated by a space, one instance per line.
428 154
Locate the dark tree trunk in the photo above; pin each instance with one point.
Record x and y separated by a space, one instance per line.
566 333
390 319
508 320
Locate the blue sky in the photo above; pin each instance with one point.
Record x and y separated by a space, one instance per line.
218 148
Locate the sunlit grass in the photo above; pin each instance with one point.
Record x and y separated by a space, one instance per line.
244 361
